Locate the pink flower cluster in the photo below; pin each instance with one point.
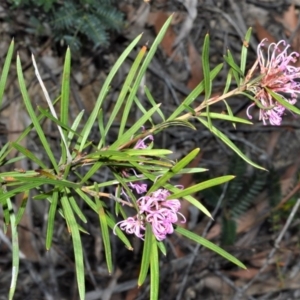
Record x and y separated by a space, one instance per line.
154 209
278 76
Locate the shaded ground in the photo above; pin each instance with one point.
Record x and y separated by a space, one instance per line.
263 243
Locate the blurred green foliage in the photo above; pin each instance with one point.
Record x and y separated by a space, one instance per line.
73 22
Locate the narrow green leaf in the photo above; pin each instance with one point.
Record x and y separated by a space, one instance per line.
133 129
123 94
33 117
147 152
232 117
22 207
87 200
173 123
20 189
13 160
201 186
142 108
91 172
15 251
65 89
18 173
206 75
194 94
74 127
105 235
48 115
77 245
154 270
6 213
202 241
228 81
102 142
230 144
5 70
145 263
283 102
245 50
91 120
162 247
206 68
226 117
174 170
43 180
75 207
64 103
51 219
152 101
2 151
257 102
230 60
28 129
29 155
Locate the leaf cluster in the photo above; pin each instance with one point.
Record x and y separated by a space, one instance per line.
58 181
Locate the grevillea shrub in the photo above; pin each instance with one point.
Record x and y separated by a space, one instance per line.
141 176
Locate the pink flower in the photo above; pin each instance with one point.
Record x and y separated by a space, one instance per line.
132 225
278 76
140 188
159 212
140 144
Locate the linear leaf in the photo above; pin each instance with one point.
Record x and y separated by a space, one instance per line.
133 129
15 250
122 96
230 144
152 101
20 189
51 219
283 102
206 68
204 242
43 180
162 247
33 117
29 155
230 60
245 50
154 270
174 170
74 127
194 94
226 117
201 186
22 207
75 207
64 102
104 232
145 263
48 115
77 245
5 70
